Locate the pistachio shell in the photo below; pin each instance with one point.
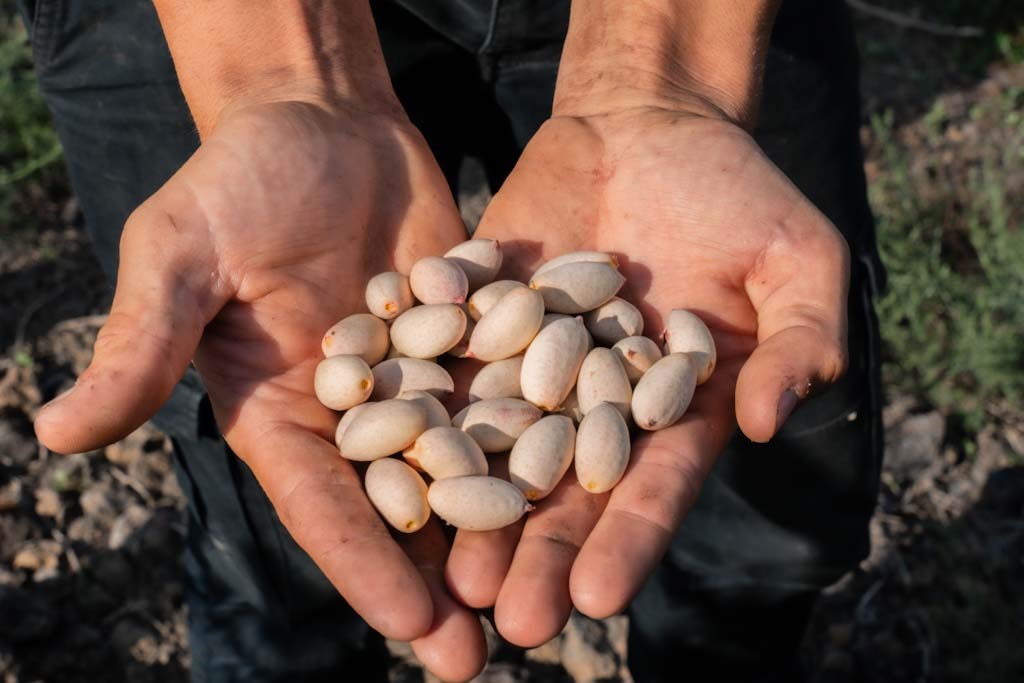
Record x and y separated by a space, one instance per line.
552 317
437 280
397 375
480 259
477 503
664 392
362 335
603 380
577 287
578 257
496 423
428 331
602 449
614 321
461 349
341 382
542 455
382 429
398 493
636 354
552 363
508 327
446 452
388 295
484 299
499 379
685 332
346 420
437 414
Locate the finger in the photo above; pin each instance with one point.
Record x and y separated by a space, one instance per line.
167 291
320 501
665 474
799 291
454 649
534 604
479 560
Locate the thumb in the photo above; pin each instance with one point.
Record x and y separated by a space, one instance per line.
799 291
167 291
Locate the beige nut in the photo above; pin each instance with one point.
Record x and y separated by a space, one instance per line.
437 414
614 321
577 287
341 382
428 331
636 354
496 423
477 503
508 327
346 420
578 257
542 455
602 449
602 379
437 280
399 494
362 335
445 452
664 392
397 375
487 296
685 332
480 259
499 379
552 363
382 429
388 295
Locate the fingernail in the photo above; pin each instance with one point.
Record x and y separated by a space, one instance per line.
59 397
787 403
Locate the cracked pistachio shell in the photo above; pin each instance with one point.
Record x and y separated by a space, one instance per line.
397 375
636 354
571 407
382 429
437 414
341 382
437 280
687 333
496 423
602 449
445 452
577 287
388 295
484 298
552 363
362 335
428 331
508 327
603 380
477 503
399 494
664 392
613 321
499 379
578 257
346 420
479 259
542 455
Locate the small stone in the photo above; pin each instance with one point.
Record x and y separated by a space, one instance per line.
10 495
87 530
125 526
586 654
36 555
98 502
48 504
549 653
914 444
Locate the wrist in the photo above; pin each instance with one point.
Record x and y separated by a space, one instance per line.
701 56
231 54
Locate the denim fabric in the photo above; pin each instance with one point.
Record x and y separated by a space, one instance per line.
775 522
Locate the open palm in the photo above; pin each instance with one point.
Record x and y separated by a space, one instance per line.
239 263
700 219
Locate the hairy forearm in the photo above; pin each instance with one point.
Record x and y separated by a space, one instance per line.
231 53
704 53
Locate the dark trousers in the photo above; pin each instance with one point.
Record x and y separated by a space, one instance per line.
774 523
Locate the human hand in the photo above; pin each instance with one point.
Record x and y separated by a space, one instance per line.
263 240
700 219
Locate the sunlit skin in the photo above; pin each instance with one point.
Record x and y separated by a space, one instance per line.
699 219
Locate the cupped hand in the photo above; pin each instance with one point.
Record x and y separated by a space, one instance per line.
700 219
240 262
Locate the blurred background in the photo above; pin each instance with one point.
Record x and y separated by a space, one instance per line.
89 569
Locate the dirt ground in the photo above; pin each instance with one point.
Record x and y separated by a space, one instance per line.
89 544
